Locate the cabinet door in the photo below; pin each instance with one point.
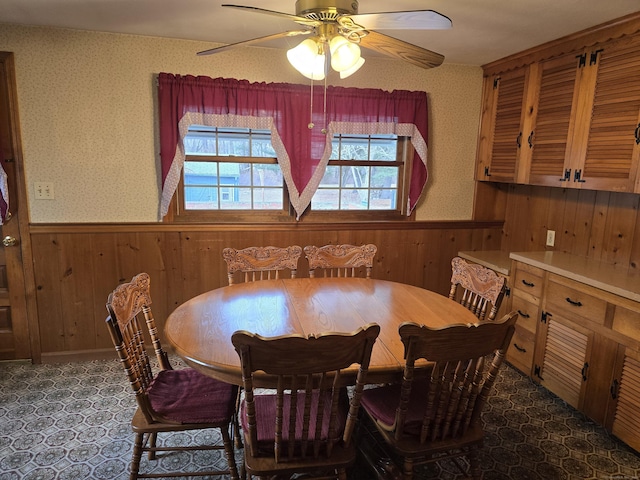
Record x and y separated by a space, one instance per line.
607 149
506 120
557 84
624 421
566 348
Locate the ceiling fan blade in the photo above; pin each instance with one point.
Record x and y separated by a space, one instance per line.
409 20
294 18
404 51
244 43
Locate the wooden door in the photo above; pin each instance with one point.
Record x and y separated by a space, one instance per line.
610 141
508 113
557 85
15 338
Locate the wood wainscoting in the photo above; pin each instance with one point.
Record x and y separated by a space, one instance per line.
602 226
77 266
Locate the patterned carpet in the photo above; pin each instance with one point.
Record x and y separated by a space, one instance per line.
72 421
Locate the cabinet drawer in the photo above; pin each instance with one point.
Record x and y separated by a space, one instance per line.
574 304
529 280
527 312
520 352
627 322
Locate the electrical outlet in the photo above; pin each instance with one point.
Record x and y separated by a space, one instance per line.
44 190
551 238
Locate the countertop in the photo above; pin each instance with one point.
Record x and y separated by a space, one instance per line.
496 260
610 278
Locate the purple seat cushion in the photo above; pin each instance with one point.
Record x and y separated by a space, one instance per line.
187 396
266 415
382 402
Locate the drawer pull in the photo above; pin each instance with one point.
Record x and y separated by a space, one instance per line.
528 284
519 348
614 389
523 315
574 303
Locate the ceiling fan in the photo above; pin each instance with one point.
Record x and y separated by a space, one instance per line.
336 31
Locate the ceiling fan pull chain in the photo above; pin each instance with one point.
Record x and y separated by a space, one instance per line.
311 124
324 129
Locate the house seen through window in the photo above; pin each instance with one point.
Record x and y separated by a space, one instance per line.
236 170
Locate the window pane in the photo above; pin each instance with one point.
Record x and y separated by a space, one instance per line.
354 199
196 143
261 147
326 199
267 175
331 177
354 148
383 148
201 198
355 177
383 199
267 198
235 198
384 177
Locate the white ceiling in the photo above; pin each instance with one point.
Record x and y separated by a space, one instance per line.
483 30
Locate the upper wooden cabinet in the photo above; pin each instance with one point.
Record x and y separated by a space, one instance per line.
571 120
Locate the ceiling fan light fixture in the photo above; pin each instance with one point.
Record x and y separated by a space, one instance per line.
308 59
350 71
344 54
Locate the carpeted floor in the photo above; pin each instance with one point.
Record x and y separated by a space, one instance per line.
72 421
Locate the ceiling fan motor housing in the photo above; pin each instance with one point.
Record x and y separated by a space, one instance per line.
325 10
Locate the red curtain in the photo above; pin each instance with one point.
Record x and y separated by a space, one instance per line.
302 120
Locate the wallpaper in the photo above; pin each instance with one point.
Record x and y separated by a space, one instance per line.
88 118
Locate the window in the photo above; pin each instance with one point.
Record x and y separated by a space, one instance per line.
363 173
232 174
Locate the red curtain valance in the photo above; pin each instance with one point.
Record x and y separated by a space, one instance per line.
302 122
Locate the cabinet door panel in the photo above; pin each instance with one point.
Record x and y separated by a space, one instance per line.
626 421
507 131
611 159
557 84
565 360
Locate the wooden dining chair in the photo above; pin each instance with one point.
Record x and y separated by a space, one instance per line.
307 425
340 260
170 400
261 263
476 287
425 420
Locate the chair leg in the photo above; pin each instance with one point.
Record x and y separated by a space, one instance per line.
228 448
153 437
237 437
474 464
407 469
137 455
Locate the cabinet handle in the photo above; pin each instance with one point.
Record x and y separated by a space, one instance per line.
528 284
530 139
567 175
523 315
614 389
577 175
574 303
518 139
584 371
519 348
638 134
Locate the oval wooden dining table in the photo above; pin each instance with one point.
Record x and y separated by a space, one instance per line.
200 329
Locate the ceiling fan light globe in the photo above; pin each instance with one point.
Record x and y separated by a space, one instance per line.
344 54
346 73
303 54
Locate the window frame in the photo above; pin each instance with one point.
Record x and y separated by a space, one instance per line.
404 159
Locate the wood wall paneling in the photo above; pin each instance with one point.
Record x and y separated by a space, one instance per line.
603 226
76 267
